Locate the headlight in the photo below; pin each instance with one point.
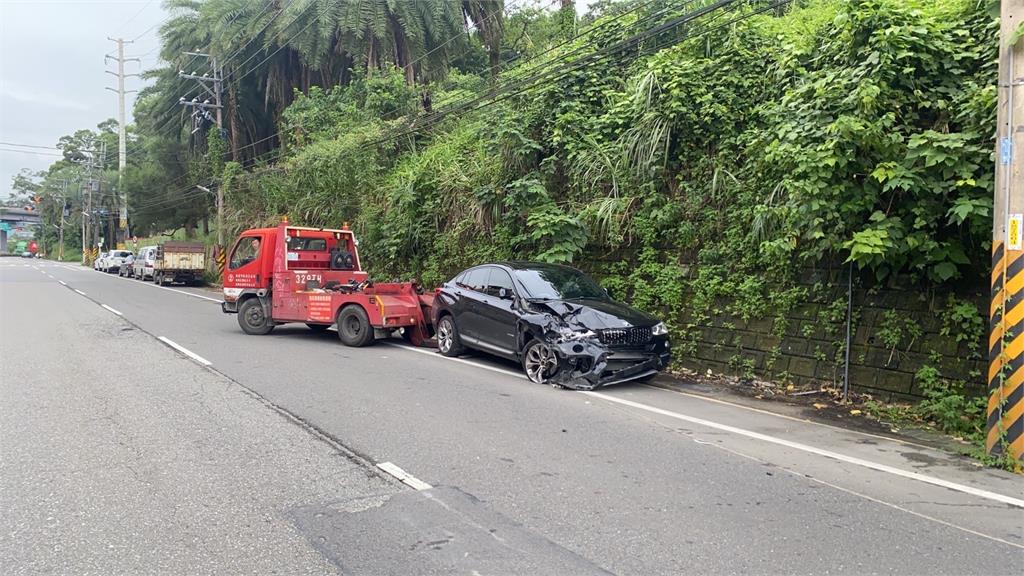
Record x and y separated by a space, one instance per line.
659 329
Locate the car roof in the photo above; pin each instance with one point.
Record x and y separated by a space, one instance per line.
527 265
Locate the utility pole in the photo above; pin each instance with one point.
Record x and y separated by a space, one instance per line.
122 158
212 83
1005 425
63 215
90 230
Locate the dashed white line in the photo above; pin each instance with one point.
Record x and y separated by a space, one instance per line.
404 477
62 283
79 291
111 309
184 350
819 451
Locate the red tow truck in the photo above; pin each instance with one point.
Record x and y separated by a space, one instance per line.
313 276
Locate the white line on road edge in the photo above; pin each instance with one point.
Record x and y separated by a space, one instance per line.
751 434
62 283
111 309
173 290
404 477
436 354
79 291
184 350
811 449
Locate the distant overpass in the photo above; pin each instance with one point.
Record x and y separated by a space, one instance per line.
16 221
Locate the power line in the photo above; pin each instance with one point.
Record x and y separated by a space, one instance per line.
30 152
531 81
29 146
132 19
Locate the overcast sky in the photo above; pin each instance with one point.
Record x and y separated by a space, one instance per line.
51 70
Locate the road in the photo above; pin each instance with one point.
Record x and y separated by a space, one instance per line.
143 432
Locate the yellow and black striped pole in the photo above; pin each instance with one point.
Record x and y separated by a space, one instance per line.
1005 425
1005 429
221 259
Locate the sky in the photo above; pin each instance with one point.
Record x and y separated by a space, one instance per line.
52 71
52 79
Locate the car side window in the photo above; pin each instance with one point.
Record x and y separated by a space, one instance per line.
476 279
498 279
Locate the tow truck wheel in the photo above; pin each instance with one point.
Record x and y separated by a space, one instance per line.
253 318
354 326
539 362
448 342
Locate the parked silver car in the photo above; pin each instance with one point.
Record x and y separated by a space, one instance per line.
114 260
142 268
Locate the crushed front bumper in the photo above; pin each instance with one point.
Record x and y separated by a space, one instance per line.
586 365
229 307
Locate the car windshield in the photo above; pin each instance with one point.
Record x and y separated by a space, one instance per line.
558 283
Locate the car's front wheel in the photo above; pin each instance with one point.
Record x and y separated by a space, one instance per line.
252 318
539 362
448 342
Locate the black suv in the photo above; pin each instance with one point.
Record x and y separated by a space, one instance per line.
561 325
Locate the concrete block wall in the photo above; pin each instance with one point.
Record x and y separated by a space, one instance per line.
805 346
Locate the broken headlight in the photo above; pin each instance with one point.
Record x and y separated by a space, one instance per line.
659 329
566 334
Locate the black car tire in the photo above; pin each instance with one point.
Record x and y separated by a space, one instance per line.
318 327
539 362
252 318
448 341
354 326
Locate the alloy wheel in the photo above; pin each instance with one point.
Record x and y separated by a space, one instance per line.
444 335
540 363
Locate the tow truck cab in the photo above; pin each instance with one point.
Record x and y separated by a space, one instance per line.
313 275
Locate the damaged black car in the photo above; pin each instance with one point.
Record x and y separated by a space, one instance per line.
556 321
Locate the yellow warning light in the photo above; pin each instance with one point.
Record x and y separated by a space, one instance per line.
344 225
284 219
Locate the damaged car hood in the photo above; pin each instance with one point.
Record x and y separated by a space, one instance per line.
597 314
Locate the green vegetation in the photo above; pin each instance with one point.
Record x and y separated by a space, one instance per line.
695 171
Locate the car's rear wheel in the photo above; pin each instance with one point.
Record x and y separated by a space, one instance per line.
539 362
354 326
252 318
448 342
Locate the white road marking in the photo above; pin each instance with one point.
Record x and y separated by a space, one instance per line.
757 435
819 451
111 309
171 289
155 286
783 416
79 291
184 350
437 354
404 477
62 283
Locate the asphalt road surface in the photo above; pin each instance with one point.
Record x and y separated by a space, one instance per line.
141 431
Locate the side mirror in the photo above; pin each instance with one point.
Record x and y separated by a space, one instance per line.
505 294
